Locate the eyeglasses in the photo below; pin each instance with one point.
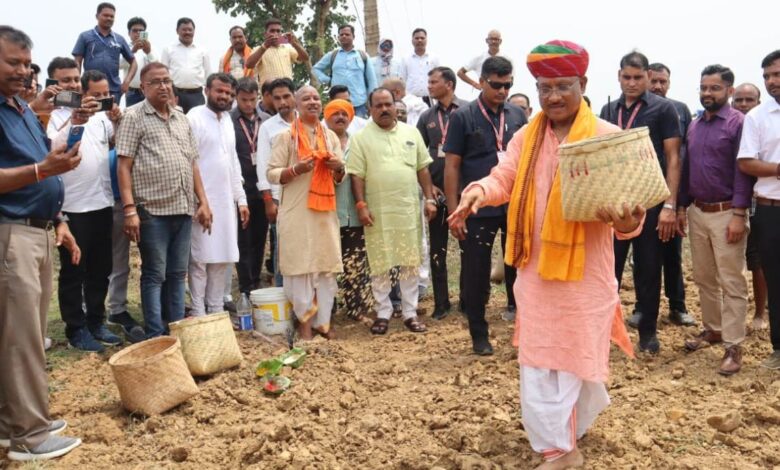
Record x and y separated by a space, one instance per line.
499 85
561 89
711 89
159 83
137 30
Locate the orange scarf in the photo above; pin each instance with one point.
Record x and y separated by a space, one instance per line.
229 54
562 255
322 191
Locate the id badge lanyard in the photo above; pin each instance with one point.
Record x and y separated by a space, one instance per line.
252 139
444 129
499 132
630 119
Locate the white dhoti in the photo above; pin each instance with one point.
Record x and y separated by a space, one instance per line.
557 408
425 267
207 285
312 297
381 284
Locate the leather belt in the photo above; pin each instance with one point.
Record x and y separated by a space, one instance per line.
762 201
713 206
134 89
190 90
37 223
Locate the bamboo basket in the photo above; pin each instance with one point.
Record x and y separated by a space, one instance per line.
610 170
208 343
152 376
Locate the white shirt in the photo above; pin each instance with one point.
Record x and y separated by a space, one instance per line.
88 186
189 65
141 58
475 64
415 106
761 140
357 124
414 71
268 130
221 175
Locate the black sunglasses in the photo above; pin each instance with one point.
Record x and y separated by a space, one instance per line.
499 85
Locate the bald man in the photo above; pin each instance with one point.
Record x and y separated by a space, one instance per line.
493 41
415 105
746 97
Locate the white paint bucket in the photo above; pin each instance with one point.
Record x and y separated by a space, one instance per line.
271 312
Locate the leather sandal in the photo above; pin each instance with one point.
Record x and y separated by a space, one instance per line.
380 326
415 325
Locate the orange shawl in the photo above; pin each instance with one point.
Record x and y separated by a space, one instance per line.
229 54
562 255
322 191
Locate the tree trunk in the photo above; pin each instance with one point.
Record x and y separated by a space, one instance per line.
371 16
321 12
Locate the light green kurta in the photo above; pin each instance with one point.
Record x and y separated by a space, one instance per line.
388 162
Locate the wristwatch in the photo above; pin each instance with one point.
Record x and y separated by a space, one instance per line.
430 201
60 218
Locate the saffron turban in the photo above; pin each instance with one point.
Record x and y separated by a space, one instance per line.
558 59
339 105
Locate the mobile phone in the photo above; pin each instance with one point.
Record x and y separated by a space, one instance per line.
143 35
28 81
51 81
283 39
68 99
106 104
74 136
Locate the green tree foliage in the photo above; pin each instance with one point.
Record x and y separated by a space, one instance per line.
313 22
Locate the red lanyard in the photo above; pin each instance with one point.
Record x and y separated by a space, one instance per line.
630 119
442 126
252 139
500 131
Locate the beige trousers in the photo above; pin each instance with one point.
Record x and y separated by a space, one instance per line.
719 272
25 292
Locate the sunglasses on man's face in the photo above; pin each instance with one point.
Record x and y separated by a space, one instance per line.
499 85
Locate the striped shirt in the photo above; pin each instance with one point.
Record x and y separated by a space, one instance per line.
276 62
163 152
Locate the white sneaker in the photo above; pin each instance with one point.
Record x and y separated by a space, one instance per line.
54 446
55 427
47 343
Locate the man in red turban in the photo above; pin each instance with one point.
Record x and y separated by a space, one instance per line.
568 307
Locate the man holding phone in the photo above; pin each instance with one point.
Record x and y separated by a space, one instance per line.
142 50
30 199
88 205
275 57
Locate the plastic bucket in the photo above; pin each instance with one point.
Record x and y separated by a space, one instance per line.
271 312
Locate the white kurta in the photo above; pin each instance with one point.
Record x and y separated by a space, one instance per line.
221 175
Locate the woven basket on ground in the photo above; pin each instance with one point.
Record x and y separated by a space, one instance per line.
608 171
208 343
152 376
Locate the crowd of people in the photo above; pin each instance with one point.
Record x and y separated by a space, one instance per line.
358 199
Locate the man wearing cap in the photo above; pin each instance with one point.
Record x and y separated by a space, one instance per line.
569 306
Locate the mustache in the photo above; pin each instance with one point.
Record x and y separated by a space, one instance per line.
385 113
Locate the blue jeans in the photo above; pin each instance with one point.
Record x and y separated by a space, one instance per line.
133 96
165 253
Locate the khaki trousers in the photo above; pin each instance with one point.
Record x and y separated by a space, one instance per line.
25 292
719 272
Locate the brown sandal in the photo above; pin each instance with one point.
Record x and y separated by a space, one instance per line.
415 325
380 326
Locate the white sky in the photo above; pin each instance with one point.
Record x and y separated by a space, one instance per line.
686 36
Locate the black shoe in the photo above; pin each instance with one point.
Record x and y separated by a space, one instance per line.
509 314
482 347
132 330
681 318
229 306
649 344
634 319
440 313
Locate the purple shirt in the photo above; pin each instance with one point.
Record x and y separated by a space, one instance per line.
710 173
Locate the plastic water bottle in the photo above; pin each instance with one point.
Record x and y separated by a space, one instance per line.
243 319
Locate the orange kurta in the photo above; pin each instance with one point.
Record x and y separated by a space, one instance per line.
562 325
